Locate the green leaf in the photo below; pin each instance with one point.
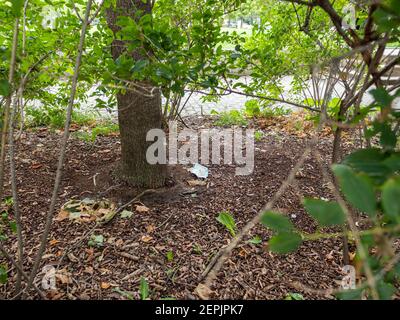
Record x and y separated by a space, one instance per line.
228 221
144 288
5 88
385 290
396 270
294 296
393 162
357 189
3 274
285 242
17 7
391 199
326 213
13 226
96 240
126 214
388 136
170 256
276 222
353 294
382 97
370 161
164 72
139 65
255 240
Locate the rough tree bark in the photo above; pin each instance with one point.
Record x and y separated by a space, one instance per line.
137 112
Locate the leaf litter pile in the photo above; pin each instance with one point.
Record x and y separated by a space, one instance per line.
102 248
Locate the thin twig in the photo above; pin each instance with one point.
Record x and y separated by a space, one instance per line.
363 253
224 253
17 266
63 149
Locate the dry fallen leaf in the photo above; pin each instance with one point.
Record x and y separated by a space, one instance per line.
119 242
146 238
203 291
105 285
62 215
53 242
54 295
90 253
142 209
160 247
352 256
63 276
243 253
150 228
330 256
194 183
88 270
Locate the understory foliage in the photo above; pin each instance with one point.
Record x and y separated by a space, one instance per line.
370 183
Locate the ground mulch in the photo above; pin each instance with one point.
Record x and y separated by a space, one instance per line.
181 219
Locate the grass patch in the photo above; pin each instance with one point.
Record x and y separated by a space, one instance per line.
54 118
102 129
231 118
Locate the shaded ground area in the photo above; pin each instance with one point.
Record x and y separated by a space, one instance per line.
180 219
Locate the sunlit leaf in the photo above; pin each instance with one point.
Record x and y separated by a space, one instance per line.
144 289
228 221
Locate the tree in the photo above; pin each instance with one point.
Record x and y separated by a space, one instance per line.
139 106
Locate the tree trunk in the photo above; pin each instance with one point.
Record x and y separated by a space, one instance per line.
337 146
137 112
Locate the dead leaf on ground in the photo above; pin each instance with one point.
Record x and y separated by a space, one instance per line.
53 242
203 291
105 285
88 270
62 215
243 253
195 183
119 242
90 253
63 276
142 209
150 228
146 238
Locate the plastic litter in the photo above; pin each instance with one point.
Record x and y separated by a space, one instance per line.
199 171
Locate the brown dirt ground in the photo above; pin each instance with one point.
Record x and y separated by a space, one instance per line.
181 222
